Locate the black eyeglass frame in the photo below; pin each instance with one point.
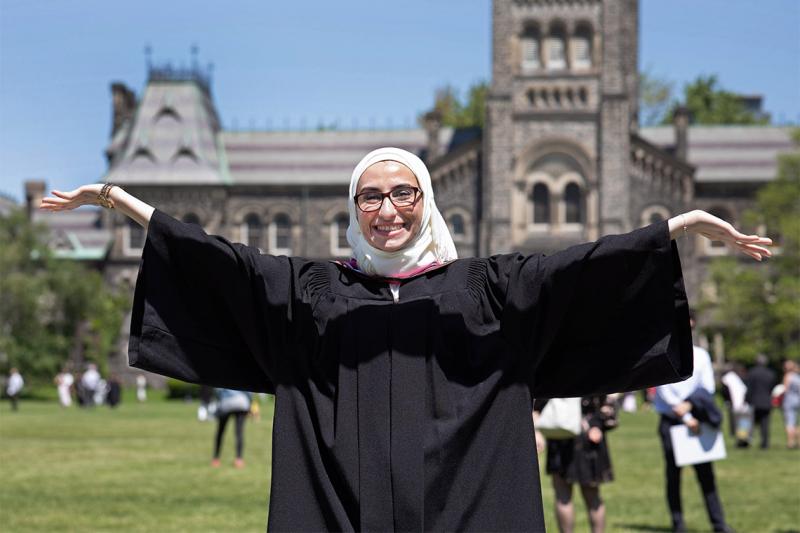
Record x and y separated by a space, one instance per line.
384 195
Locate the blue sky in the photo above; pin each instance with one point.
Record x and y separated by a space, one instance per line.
351 62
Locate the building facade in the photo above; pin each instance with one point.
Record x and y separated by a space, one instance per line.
561 159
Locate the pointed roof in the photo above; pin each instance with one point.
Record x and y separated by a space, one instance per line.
172 138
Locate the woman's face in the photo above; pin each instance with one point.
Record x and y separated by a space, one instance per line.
389 228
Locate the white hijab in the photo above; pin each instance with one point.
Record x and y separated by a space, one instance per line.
433 243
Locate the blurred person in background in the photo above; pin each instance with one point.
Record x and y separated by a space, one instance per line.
141 388
759 381
236 404
14 387
583 460
113 391
64 382
740 414
671 402
791 403
90 382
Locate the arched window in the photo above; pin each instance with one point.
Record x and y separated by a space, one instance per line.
281 234
253 231
135 236
653 214
541 204
457 226
556 51
339 244
582 48
191 218
531 54
573 204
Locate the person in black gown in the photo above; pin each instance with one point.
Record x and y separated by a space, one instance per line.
404 378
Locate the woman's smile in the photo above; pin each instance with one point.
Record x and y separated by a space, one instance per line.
389 227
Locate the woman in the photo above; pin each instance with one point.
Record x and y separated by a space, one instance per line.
403 379
791 403
583 460
236 404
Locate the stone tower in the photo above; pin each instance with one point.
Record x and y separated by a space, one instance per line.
561 117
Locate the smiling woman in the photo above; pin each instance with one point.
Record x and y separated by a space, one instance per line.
404 377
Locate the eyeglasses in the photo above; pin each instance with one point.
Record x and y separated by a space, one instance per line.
400 197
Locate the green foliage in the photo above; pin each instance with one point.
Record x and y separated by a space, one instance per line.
180 390
51 309
709 104
655 96
758 308
466 114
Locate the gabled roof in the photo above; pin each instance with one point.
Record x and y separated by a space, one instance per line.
171 139
728 153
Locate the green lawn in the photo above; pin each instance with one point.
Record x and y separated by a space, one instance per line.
145 467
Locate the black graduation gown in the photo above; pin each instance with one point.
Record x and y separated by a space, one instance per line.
416 414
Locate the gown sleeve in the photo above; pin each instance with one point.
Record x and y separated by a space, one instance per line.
601 317
208 311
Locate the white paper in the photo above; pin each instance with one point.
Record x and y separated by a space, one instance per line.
691 449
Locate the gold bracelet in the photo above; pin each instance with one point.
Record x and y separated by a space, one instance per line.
685 229
103 198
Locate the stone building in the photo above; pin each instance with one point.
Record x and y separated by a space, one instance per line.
560 161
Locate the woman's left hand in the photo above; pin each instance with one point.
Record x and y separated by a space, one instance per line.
595 435
716 229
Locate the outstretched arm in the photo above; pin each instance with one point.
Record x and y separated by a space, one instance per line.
716 229
124 202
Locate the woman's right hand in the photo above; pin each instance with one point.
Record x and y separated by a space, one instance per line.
64 201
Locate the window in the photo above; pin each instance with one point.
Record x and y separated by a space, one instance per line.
252 231
556 53
457 226
541 204
281 238
582 48
572 204
339 245
530 49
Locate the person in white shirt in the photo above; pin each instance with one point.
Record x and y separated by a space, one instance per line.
14 387
141 388
64 381
670 402
90 381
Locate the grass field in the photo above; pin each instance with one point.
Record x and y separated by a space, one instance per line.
145 467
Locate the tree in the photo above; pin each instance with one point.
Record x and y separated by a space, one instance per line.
458 114
709 104
655 97
757 309
51 308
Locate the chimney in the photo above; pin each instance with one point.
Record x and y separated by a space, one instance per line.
432 122
34 192
124 102
680 120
